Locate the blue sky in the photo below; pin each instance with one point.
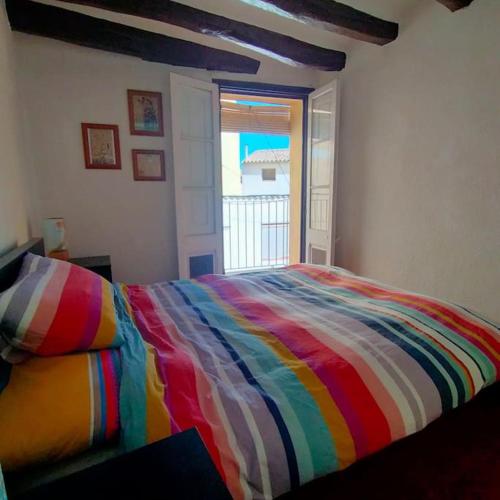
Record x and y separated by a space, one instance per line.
261 141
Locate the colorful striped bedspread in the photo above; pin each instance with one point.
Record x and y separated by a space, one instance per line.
292 374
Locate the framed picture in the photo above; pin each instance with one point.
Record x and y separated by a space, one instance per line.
101 146
149 164
145 111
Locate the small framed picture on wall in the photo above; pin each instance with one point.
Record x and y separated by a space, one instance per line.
101 146
145 110
149 164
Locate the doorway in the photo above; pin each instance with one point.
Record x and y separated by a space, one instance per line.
262 167
301 228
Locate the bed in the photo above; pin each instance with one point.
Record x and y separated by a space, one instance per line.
299 373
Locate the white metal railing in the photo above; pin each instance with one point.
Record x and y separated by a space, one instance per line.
256 231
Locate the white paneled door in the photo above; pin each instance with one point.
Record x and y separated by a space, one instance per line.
321 192
197 172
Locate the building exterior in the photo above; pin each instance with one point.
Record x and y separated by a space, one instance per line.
266 171
256 223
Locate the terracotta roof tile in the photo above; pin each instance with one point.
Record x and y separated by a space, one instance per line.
269 156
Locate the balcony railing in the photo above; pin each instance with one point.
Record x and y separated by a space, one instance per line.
255 231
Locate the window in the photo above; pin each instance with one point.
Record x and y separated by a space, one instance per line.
268 174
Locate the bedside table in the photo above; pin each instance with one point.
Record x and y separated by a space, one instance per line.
100 265
177 468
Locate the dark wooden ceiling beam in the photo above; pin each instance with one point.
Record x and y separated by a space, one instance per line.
52 22
274 45
454 5
333 16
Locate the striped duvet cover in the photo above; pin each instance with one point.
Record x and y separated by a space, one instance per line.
292 374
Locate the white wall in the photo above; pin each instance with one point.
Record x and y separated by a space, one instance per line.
252 183
13 186
419 174
106 212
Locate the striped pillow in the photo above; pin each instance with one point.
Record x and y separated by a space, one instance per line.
58 406
55 308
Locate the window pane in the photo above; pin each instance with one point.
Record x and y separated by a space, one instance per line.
268 174
321 117
320 202
321 164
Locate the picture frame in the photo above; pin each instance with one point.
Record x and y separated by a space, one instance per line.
149 164
145 110
101 146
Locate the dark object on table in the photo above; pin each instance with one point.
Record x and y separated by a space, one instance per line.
178 467
100 265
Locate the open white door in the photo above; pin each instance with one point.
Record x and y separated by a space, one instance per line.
321 147
197 172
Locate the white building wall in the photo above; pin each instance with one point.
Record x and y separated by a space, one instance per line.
252 183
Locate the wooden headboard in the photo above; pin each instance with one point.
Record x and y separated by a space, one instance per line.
10 263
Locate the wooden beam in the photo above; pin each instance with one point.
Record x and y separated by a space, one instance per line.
275 45
44 20
333 16
454 5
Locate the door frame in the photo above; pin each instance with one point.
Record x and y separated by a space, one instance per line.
284 92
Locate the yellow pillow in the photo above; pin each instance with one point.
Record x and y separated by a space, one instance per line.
58 406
